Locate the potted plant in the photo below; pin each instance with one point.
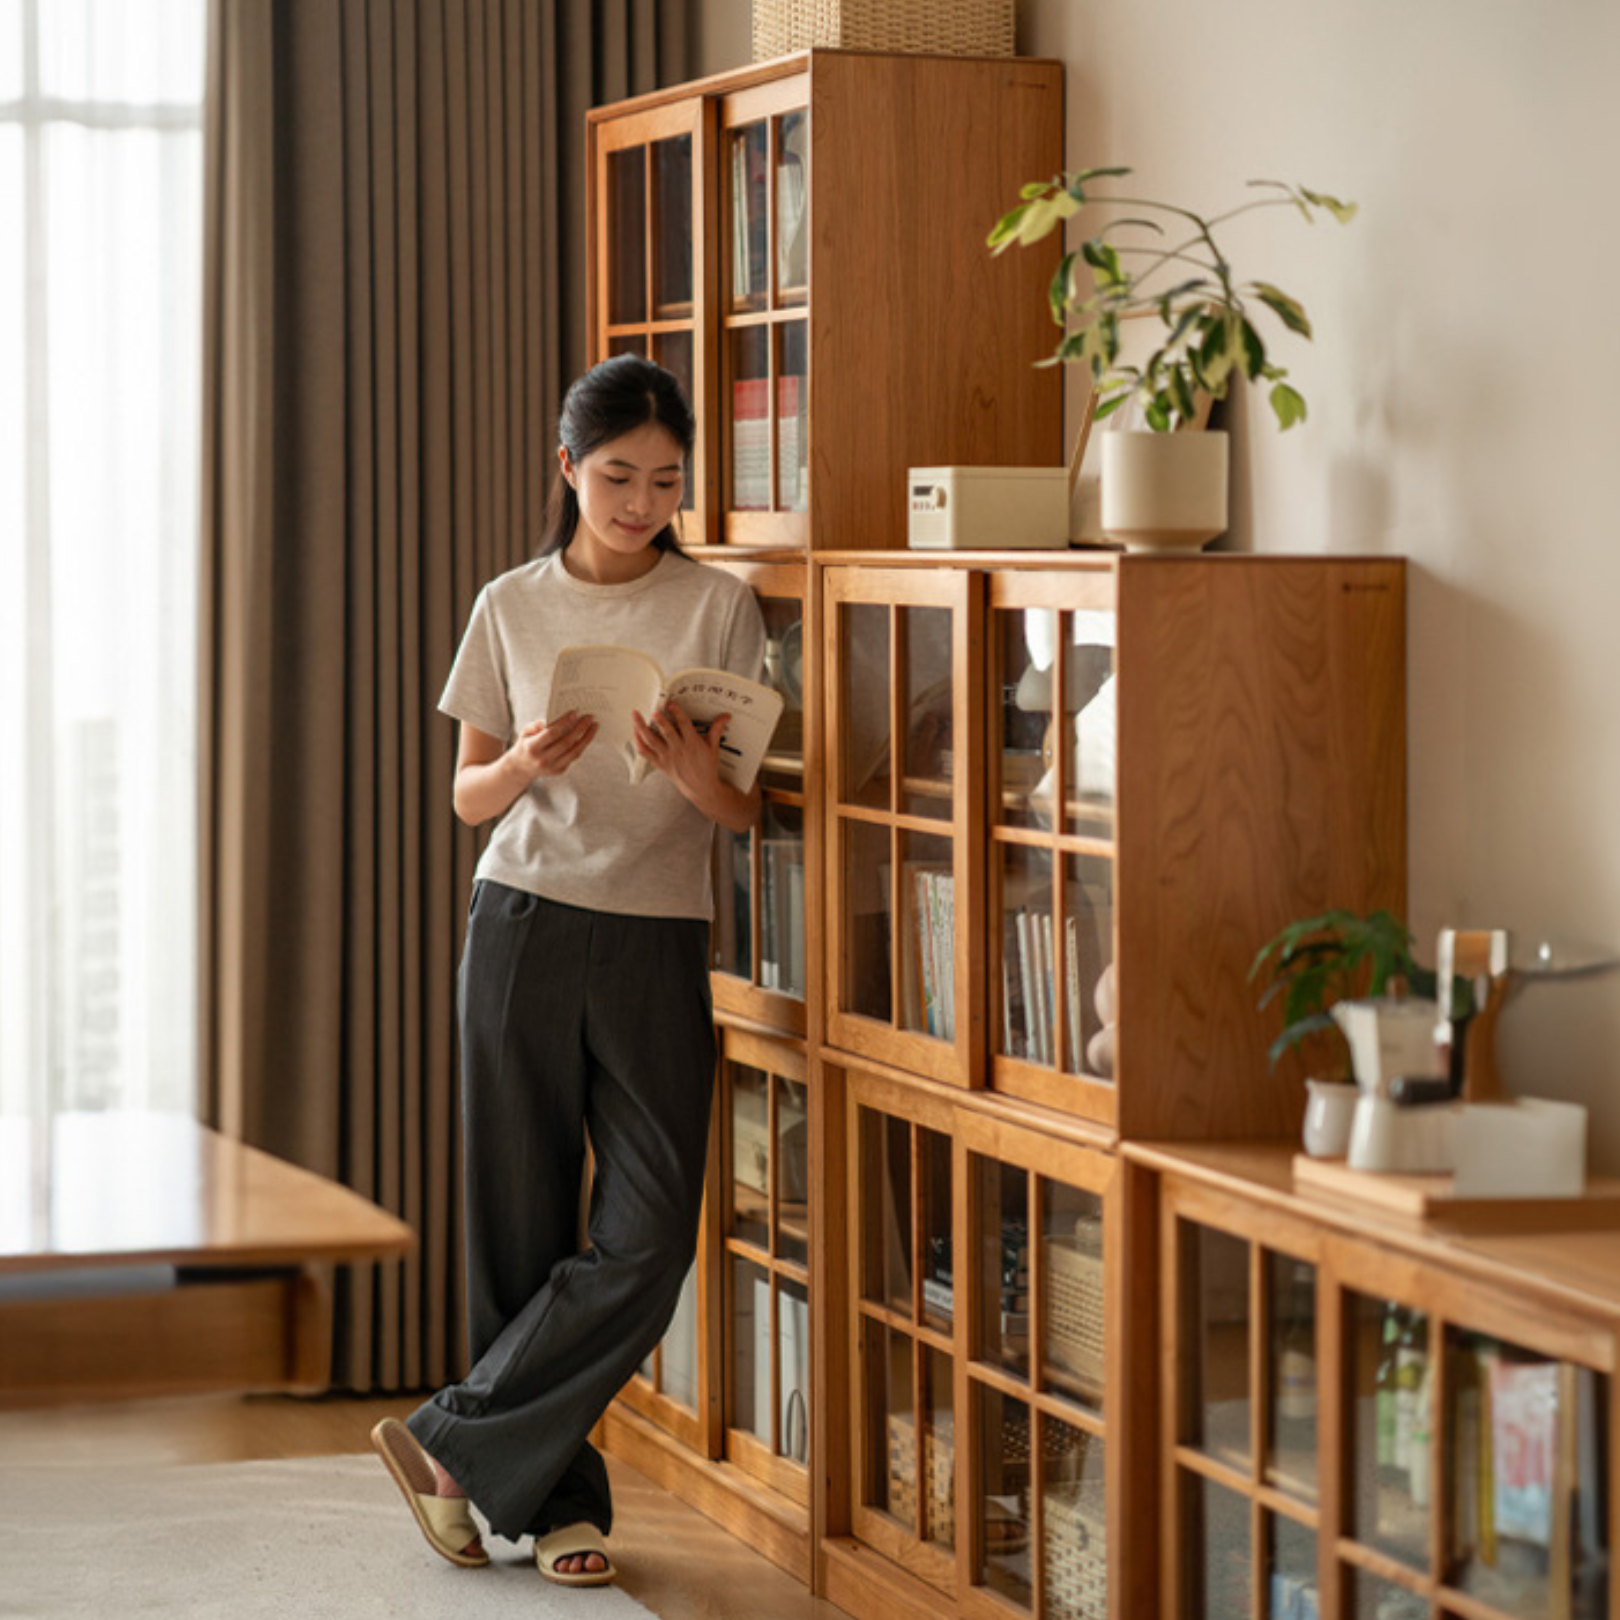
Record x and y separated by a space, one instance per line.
1312 964
1163 489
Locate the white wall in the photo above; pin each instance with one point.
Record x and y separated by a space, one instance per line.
1463 389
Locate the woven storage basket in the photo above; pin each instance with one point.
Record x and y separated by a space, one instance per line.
1074 1319
1076 1552
929 27
939 1463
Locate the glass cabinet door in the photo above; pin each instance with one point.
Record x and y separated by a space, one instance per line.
760 938
1054 991
649 258
902 802
981 1367
765 279
1245 1445
764 1102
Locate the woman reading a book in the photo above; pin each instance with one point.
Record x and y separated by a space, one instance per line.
584 997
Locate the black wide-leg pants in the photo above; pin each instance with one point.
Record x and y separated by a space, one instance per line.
572 1022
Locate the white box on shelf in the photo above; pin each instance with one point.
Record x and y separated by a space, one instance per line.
1530 1148
965 508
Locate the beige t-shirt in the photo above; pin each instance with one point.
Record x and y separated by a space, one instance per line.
589 838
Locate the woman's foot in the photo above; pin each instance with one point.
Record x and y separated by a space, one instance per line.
447 1488
437 1503
574 1555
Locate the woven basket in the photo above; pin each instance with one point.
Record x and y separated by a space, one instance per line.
929 27
1075 1319
939 1463
1076 1552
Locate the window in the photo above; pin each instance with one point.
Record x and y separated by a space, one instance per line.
101 168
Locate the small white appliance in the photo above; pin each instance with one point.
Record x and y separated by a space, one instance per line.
973 508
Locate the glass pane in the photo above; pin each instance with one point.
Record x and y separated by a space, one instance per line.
1004 1455
1215 1292
11 59
892 1440
731 938
793 1334
1024 752
747 270
1072 1334
784 669
792 196
939 1272
673 351
1291 1375
885 1211
1529 1518
1087 966
1074 1537
1291 1592
627 343
863 709
678 1353
781 906
928 948
792 417
1026 954
750 420
751 1349
1088 720
627 235
866 987
792 1172
1004 1264
928 706
1390 1446
672 240
1372 1598
1219 1562
750 1155
939 1449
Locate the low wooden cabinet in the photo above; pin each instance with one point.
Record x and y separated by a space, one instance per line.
1365 1421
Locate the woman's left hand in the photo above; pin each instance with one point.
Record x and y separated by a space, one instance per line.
689 757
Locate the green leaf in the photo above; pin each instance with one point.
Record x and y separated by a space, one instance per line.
1254 351
1158 414
1107 407
1037 188
1288 310
1005 231
1057 294
1288 404
1342 211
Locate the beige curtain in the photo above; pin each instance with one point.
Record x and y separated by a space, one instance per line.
395 302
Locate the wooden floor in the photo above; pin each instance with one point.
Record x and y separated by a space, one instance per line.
679 1564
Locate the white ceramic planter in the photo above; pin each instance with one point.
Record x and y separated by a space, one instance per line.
1164 491
1330 1109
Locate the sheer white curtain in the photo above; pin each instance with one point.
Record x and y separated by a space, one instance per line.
100 321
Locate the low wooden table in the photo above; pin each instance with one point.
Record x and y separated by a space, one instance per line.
144 1254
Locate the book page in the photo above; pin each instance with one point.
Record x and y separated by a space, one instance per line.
703 694
610 683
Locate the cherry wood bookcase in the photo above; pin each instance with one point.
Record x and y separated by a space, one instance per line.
994 1313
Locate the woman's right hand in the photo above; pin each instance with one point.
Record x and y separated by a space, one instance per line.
548 748
490 776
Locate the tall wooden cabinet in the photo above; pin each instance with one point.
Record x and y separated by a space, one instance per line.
993 1314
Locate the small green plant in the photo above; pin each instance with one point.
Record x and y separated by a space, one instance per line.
1318 961
1133 266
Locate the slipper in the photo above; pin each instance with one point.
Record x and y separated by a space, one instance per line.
572 1541
446 1521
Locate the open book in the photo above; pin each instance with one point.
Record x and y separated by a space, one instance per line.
611 682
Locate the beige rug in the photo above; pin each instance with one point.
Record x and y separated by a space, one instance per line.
311 1537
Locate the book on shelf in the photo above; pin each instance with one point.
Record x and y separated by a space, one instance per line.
751 444
1032 978
928 961
781 941
612 682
